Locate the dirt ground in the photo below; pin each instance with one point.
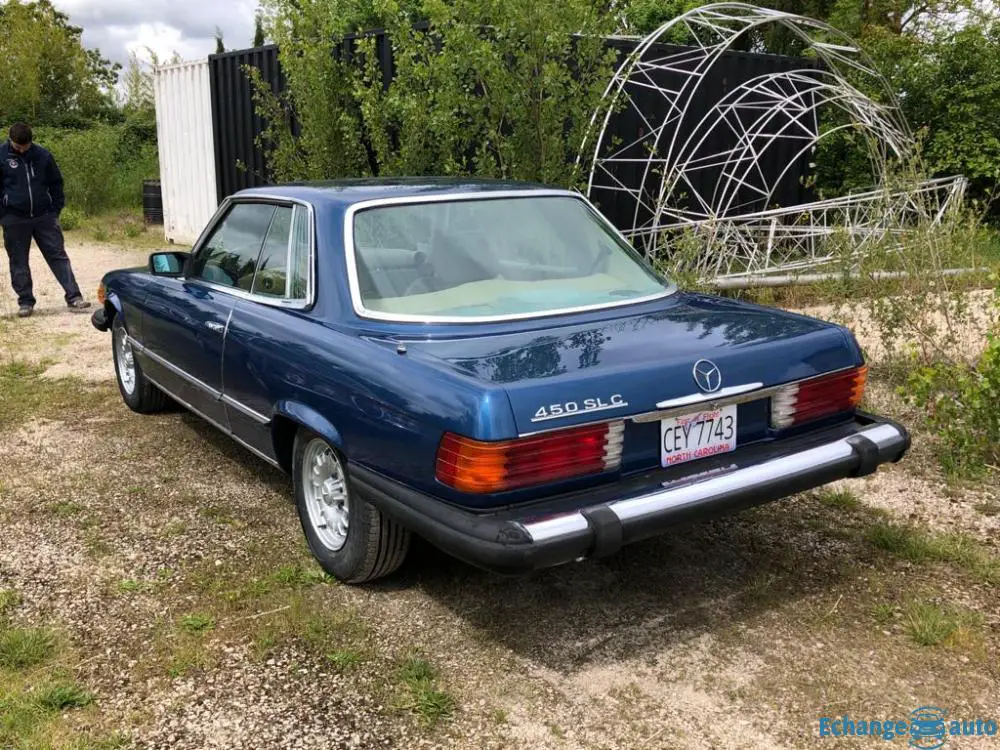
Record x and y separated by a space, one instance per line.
170 565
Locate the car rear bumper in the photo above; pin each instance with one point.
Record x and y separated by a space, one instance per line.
518 540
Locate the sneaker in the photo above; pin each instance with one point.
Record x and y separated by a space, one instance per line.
25 311
78 305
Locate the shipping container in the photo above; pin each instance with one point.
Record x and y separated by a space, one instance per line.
187 149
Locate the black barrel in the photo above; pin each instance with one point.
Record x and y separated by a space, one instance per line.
152 202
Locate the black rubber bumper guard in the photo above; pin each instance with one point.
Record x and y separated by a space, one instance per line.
596 523
100 319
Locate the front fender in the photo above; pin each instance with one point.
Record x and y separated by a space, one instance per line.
311 419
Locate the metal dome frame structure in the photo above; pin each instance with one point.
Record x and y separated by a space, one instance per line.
744 233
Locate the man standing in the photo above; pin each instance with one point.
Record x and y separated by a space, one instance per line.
32 188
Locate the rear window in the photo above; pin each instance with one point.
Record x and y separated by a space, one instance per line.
494 257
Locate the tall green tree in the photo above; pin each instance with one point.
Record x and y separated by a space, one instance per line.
47 75
259 38
486 88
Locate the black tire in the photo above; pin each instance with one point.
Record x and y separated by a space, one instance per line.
375 545
144 397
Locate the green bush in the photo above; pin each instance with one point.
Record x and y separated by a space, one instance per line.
962 406
103 166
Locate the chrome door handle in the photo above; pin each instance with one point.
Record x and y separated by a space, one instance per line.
218 327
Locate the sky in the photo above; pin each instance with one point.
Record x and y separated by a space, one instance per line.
187 27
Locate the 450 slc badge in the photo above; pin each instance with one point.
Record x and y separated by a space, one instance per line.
584 406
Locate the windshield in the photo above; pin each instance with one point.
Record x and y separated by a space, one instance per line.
494 257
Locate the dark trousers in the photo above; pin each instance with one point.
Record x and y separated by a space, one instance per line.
47 234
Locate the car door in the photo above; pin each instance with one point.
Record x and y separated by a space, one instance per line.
263 328
184 319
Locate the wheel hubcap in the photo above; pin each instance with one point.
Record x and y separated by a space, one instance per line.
326 496
126 362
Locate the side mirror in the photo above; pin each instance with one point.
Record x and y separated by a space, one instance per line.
168 263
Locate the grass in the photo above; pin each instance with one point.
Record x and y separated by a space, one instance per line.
930 624
21 648
25 395
9 601
883 613
842 499
119 228
345 658
918 546
428 702
34 695
197 623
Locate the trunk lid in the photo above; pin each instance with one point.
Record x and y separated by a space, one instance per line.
576 374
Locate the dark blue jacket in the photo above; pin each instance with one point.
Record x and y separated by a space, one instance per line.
31 183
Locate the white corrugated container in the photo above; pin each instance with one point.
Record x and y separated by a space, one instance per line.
187 148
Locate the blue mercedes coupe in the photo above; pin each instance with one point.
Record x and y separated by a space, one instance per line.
489 365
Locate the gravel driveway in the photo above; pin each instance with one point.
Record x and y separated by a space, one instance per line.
168 565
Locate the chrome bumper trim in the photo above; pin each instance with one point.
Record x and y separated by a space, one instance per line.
776 469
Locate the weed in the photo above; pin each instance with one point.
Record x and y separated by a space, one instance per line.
344 658
883 613
66 509
988 509
929 624
197 623
920 547
130 586
296 576
425 699
25 647
9 601
60 696
843 499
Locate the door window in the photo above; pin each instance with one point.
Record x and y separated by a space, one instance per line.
229 256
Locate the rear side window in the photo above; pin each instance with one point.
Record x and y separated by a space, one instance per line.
299 265
283 270
229 256
272 270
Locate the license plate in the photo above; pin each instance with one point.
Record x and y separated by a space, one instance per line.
689 437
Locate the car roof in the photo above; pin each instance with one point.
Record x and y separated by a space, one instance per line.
348 192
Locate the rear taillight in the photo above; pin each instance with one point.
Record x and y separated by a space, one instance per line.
480 467
818 397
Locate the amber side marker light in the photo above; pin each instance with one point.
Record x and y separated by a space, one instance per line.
479 467
818 397
101 294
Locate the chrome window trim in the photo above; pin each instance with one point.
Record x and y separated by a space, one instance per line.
352 273
275 200
183 374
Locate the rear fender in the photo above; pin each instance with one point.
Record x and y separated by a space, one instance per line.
311 419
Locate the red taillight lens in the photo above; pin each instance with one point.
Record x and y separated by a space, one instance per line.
818 397
480 467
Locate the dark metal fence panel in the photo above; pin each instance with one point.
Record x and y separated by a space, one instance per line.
240 163
630 139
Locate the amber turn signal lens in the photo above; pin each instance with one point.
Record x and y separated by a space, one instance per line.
478 467
101 296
